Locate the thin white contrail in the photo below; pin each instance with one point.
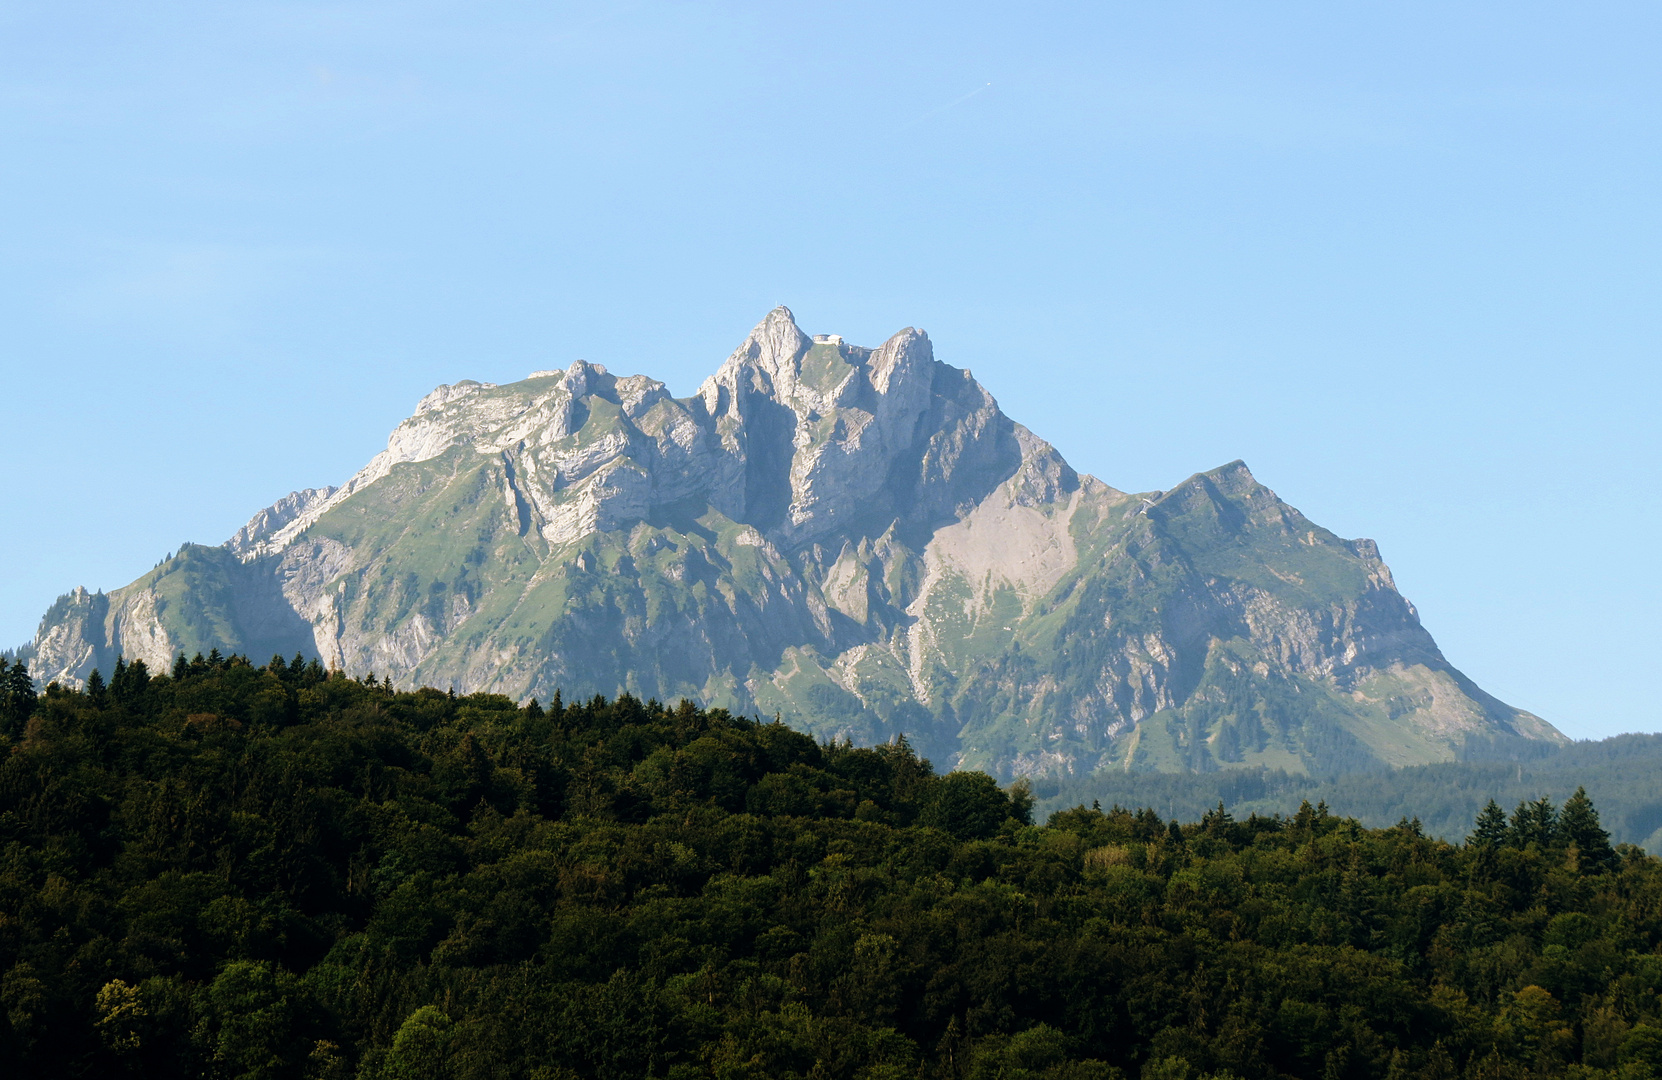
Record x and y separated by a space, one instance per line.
953 104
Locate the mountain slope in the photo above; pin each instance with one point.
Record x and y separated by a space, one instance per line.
855 538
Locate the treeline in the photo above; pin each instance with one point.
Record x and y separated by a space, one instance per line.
277 871
1620 771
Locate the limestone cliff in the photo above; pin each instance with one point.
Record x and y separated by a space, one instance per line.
855 538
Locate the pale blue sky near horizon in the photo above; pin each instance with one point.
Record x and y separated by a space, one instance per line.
1401 258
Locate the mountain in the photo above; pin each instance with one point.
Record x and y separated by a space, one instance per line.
856 539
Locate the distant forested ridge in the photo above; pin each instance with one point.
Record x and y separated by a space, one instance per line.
278 871
1622 772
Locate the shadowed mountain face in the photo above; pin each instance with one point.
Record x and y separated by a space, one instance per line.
856 539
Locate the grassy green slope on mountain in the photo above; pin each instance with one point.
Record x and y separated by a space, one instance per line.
1227 525
205 599
682 607
194 594
436 551
1161 594
1114 611
1242 713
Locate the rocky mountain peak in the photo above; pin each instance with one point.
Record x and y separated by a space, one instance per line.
442 396
765 362
775 344
906 353
279 514
857 538
583 378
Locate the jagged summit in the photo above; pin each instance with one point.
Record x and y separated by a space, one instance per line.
855 537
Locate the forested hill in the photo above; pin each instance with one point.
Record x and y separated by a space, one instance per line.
234 871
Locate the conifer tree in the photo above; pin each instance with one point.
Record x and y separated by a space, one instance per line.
1535 823
1216 821
1578 824
138 679
17 697
122 683
20 687
1490 830
95 688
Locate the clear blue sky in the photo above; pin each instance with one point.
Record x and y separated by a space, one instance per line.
1401 257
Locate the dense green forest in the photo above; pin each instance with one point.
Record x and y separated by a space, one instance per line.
240 871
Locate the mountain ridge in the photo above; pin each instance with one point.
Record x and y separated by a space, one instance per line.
858 539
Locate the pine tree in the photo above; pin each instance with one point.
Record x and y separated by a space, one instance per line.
20 687
181 667
138 680
1535 823
95 688
1216 821
1578 824
17 697
1490 830
128 680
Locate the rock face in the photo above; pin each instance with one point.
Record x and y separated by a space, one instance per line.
857 539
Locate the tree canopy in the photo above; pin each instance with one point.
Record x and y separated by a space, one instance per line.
238 871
